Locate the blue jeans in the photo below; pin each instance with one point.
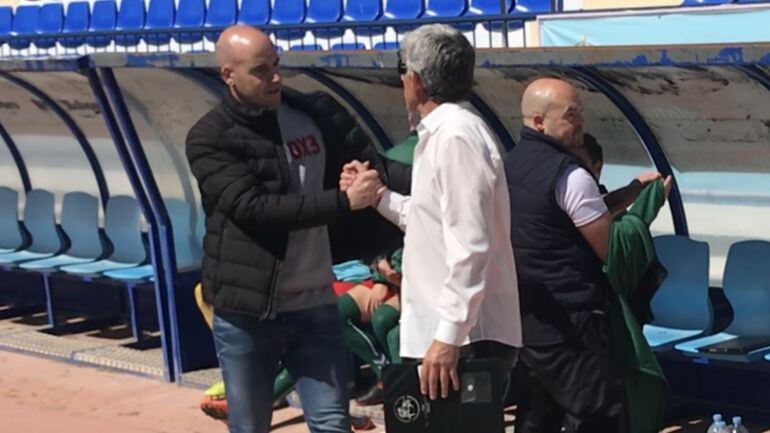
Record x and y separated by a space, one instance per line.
309 342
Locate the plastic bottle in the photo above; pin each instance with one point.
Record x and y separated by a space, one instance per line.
713 428
737 426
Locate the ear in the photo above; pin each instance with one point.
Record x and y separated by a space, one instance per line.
227 74
418 86
539 121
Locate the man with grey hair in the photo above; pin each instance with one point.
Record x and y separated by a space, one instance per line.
459 290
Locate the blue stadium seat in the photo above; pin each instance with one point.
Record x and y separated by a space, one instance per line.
445 8
221 13
386 46
80 222
160 16
254 12
349 46
747 287
325 11
40 222
187 254
123 227
306 47
488 7
289 12
532 6
12 236
24 24
191 14
104 17
681 307
131 17
77 20
403 9
362 10
51 22
6 21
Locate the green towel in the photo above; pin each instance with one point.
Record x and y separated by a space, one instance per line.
630 256
404 151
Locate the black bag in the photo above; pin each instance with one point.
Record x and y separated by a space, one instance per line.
476 408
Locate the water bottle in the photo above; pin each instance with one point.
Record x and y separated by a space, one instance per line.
714 427
721 427
737 426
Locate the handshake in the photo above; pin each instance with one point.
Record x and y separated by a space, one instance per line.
362 184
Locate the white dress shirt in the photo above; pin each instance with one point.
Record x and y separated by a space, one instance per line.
459 283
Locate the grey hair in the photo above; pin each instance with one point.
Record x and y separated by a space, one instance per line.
444 60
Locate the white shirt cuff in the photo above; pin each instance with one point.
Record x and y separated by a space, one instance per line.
451 333
391 206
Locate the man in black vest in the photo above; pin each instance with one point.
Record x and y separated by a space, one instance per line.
560 231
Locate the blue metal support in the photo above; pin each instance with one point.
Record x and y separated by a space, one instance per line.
96 167
648 138
16 155
144 203
493 120
165 269
355 104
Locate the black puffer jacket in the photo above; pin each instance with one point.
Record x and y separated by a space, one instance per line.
237 156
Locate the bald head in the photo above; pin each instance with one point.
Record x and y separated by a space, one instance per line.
248 63
552 106
239 42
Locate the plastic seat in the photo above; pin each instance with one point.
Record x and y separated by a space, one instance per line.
445 8
131 17
488 7
160 16
51 22
40 221
532 6
306 47
77 20
12 236
186 252
681 307
289 12
403 10
747 287
6 21
104 18
349 46
221 13
364 11
325 11
254 12
191 14
80 222
386 46
122 225
24 24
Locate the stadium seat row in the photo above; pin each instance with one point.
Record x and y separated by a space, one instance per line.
683 313
194 20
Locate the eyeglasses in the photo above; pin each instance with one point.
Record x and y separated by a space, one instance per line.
401 66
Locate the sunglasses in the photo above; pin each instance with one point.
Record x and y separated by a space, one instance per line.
401 66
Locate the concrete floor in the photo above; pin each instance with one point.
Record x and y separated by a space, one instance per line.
38 395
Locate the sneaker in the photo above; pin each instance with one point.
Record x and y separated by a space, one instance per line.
215 408
376 395
216 391
361 423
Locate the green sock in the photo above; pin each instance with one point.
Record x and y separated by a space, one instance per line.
363 344
394 345
283 384
384 319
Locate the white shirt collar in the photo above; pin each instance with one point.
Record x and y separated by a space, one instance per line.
430 123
